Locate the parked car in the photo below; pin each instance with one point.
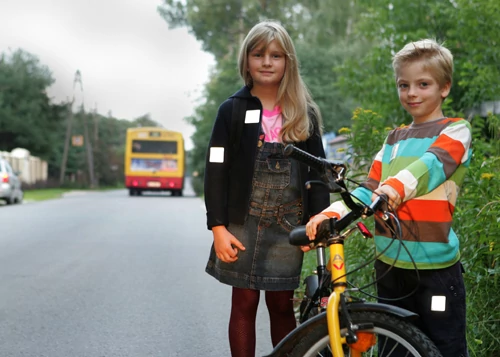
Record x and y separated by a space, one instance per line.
10 184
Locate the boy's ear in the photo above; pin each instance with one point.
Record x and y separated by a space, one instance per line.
445 90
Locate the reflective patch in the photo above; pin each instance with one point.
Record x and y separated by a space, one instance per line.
394 151
216 155
252 116
438 303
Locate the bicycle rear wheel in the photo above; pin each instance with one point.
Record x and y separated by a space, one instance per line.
383 336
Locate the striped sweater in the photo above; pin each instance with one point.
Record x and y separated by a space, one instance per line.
426 163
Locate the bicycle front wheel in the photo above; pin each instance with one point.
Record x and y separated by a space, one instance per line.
380 335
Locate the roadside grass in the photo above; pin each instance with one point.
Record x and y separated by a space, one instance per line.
52 193
44 194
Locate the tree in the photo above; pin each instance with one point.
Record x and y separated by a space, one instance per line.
145 120
221 26
27 118
468 29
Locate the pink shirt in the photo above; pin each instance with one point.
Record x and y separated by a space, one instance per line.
272 121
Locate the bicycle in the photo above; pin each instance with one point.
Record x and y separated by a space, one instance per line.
346 326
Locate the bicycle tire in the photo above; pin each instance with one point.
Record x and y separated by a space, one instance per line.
402 334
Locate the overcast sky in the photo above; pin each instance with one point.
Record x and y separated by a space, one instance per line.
131 63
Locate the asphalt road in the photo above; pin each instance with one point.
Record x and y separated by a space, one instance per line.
102 274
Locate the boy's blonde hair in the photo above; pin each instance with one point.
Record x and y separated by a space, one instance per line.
293 95
436 58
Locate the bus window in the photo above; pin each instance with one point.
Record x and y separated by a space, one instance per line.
154 147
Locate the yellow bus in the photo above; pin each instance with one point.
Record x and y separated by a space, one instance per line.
154 161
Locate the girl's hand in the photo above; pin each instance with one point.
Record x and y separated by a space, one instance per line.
392 194
312 225
226 245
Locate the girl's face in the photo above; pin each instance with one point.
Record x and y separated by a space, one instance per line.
267 65
420 93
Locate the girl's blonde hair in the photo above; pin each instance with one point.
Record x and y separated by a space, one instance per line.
436 58
293 96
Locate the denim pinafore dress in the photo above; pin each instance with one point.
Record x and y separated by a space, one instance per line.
269 261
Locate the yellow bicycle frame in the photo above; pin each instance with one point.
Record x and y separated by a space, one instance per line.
339 280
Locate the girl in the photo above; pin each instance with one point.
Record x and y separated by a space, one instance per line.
255 195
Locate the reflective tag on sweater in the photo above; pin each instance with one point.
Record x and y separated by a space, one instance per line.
394 151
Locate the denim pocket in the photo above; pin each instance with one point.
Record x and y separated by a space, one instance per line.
291 220
272 173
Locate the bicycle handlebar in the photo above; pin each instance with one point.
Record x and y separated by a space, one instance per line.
298 235
332 175
316 163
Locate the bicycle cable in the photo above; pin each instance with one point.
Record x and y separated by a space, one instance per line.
397 235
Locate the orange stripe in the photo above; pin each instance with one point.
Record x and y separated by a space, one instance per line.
454 147
397 185
331 214
425 211
376 171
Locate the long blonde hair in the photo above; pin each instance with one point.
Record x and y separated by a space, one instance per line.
293 96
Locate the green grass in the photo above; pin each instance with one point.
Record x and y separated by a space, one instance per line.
51 193
44 194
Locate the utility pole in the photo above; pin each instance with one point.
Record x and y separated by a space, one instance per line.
88 146
69 122
86 137
96 145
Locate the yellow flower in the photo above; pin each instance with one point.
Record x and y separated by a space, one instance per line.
387 128
492 245
344 130
341 150
487 176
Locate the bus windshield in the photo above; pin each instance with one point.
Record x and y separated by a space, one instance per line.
154 147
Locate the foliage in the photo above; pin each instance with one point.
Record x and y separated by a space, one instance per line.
477 224
30 120
221 27
318 72
27 118
468 29
107 139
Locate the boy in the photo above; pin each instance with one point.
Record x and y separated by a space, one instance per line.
420 168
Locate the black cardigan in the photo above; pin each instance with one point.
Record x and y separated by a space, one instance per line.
228 185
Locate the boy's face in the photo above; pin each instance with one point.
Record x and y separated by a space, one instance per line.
420 93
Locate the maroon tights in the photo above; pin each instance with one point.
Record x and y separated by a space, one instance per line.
243 315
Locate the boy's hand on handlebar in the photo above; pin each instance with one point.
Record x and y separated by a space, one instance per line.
226 245
312 225
394 199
